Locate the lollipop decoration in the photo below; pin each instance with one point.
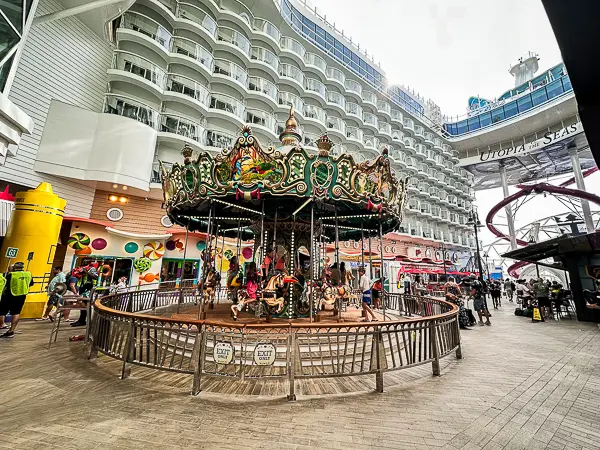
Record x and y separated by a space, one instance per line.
228 254
154 250
78 241
141 265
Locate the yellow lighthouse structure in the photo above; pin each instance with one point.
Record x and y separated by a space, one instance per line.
34 229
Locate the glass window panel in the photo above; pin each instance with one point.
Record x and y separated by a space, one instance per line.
473 123
461 127
8 38
4 71
554 89
13 9
567 83
510 109
524 103
497 115
485 119
538 97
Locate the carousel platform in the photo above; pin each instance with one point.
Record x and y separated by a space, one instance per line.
222 314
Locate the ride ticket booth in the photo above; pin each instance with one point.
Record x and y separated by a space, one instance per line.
579 257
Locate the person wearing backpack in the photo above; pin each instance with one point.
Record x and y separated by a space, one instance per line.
17 284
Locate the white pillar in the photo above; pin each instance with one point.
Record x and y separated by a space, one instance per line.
585 206
512 234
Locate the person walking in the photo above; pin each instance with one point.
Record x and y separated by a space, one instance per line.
508 289
15 292
87 280
364 285
54 298
479 304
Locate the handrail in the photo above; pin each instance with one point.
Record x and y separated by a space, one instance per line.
100 306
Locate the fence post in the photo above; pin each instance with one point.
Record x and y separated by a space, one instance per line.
126 370
433 345
291 364
154 300
379 372
459 354
200 365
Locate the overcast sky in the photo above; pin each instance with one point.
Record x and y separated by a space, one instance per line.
447 50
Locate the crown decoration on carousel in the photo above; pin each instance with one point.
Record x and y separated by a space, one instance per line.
283 178
324 144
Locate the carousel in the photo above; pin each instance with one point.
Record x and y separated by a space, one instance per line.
290 204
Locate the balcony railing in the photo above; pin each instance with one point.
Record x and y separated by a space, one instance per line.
316 113
527 102
336 98
353 86
263 85
182 126
266 56
125 106
262 118
264 26
370 119
385 128
142 67
293 72
187 47
354 109
228 104
337 124
383 106
336 74
289 99
293 46
316 86
148 27
312 59
189 87
397 116
198 16
354 133
369 97
219 139
235 38
231 70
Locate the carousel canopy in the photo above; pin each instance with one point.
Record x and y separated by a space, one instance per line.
249 185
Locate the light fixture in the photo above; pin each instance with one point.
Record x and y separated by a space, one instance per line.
113 198
122 199
115 186
124 188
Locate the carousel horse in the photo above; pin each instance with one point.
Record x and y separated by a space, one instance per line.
210 283
269 294
332 293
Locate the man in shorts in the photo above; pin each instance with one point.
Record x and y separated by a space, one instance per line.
364 285
15 292
479 303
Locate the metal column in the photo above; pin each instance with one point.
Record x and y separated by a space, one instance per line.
512 234
585 206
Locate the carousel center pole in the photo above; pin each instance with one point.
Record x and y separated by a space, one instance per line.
381 270
291 289
337 265
273 260
183 269
201 311
312 260
362 257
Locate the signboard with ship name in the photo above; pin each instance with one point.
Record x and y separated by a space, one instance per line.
548 139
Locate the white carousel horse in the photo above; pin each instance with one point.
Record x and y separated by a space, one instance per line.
268 294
